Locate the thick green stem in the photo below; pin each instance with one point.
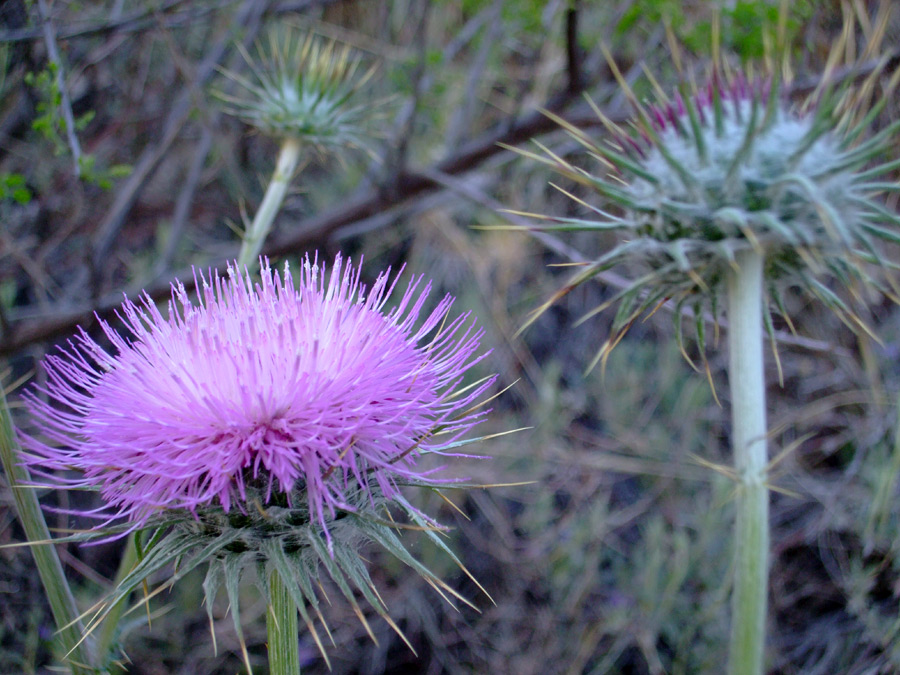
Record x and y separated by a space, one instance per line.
281 629
80 653
271 203
748 400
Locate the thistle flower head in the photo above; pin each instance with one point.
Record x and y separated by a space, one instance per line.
733 166
269 424
736 164
302 87
300 390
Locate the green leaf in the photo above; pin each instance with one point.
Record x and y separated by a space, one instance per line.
22 195
211 585
233 567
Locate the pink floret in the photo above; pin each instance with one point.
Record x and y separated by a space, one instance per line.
313 388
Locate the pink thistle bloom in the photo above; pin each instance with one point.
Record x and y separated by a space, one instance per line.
312 390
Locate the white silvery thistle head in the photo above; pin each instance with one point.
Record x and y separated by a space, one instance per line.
302 87
734 166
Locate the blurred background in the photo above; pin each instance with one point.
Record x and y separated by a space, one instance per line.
615 557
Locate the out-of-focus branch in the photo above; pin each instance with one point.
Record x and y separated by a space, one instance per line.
184 200
169 15
137 20
396 149
462 116
247 19
410 185
65 103
573 51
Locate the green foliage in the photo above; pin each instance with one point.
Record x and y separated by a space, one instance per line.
746 25
103 178
651 11
527 15
12 186
51 126
49 122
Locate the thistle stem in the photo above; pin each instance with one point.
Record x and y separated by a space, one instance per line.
748 400
281 629
288 157
110 628
80 657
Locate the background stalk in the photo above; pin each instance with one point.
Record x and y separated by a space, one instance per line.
748 400
282 630
81 657
271 203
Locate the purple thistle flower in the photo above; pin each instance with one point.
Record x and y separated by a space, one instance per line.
313 391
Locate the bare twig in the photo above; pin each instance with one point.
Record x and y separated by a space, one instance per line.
573 51
141 20
137 20
4 321
462 116
184 201
397 147
65 103
246 19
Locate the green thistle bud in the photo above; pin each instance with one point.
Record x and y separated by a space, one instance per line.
733 167
302 88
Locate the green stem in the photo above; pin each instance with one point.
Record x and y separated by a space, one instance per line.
80 656
110 627
748 401
288 157
281 629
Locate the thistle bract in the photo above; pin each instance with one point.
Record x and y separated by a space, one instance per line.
269 423
302 88
733 167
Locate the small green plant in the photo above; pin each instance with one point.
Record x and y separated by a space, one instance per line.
51 126
49 123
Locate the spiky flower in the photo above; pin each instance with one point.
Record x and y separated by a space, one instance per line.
732 167
270 425
302 87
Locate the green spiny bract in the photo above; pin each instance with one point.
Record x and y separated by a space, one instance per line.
250 544
303 88
731 167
